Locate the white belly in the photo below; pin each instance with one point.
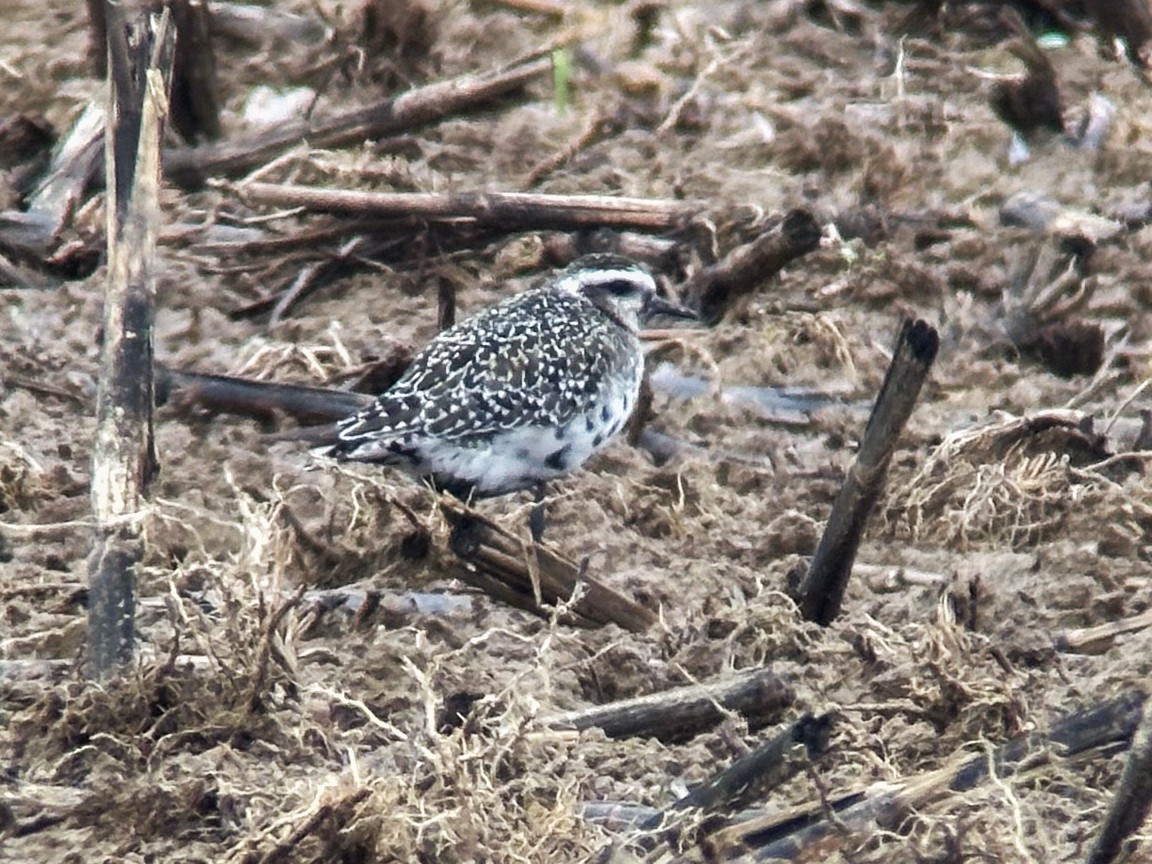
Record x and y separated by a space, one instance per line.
520 458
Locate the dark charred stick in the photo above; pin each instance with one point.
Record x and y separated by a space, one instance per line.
773 763
261 400
806 835
1033 102
1133 796
822 590
751 777
508 210
713 290
495 561
97 38
1040 304
642 414
123 453
12 275
538 517
445 303
676 715
195 106
191 167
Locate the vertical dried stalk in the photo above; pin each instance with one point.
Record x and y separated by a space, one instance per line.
822 590
123 454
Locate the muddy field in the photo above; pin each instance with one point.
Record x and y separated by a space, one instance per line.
261 725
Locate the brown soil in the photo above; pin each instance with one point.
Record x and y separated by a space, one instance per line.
249 733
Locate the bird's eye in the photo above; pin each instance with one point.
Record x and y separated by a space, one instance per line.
619 287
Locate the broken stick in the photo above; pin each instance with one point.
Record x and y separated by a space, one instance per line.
123 454
822 590
509 210
759 695
497 562
714 289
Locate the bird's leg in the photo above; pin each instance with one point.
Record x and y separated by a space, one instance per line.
537 519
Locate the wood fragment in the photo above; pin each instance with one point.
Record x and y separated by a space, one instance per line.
786 754
760 695
97 38
1133 797
195 105
777 760
806 833
821 592
261 400
445 303
123 453
1033 102
497 562
190 167
714 289
34 231
507 210
1098 639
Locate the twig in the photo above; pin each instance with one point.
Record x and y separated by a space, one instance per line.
596 129
822 590
713 290
123 454
509 210
757 694
191 167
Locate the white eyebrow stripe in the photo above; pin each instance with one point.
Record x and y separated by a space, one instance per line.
575 282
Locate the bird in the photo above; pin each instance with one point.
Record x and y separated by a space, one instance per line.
523 392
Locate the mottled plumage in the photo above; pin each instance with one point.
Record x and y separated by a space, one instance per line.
521 393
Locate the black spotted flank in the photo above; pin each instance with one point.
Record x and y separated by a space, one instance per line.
558 461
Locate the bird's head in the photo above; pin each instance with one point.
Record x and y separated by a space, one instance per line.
620 287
